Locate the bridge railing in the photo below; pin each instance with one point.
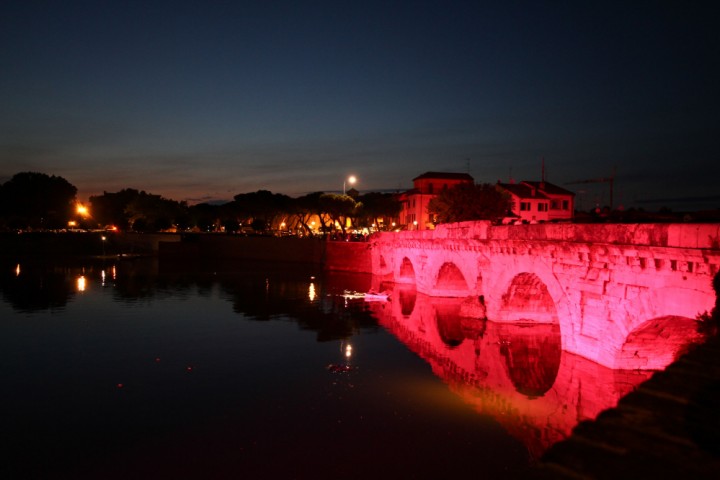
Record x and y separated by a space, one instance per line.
676 235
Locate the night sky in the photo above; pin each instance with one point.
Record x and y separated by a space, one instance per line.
202 100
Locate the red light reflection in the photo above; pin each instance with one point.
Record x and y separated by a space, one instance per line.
516 372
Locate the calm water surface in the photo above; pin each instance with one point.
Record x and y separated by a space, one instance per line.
130 369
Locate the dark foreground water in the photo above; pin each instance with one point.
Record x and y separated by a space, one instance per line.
127 369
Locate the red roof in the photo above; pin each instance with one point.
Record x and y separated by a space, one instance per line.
445 176
523 191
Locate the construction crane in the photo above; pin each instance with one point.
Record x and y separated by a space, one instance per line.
610 180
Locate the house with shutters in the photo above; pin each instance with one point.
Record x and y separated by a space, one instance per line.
539 201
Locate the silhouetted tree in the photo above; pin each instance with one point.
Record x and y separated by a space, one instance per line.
338 207
468 201
37 200
205 216
262 205
379 205
307 206
153 213
111 208
137 210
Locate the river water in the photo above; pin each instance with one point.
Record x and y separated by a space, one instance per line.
134 369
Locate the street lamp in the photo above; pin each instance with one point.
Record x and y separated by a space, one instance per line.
351 180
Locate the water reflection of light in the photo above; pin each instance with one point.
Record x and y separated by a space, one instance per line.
311 292
348 351
17 270
114 272
81 283
102 278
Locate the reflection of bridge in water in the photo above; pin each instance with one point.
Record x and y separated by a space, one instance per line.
624 296
515 372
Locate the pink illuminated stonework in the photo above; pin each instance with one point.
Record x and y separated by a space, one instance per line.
624 296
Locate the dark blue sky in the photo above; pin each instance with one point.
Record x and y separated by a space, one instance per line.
203 100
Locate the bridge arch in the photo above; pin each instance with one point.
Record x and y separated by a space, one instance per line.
406 272
532 355
449 277
515 280
449 324
657 343
527 299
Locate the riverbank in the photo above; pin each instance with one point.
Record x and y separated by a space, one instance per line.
320 251
94 244
668 428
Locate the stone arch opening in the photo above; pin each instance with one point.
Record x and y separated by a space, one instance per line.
383 264
532 354
657 343
449 324
527 299
450 278
407 296
407 271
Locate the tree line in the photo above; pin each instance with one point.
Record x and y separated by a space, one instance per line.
37 201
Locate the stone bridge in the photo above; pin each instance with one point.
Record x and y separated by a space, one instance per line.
613 289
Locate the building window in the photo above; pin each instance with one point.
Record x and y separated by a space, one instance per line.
566 205
542 207
554 205
524 206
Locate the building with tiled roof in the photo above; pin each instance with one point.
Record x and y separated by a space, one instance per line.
539 201
414 214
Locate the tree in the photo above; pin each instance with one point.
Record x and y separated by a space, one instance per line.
379 205
137 210
339 207
37 200
111 208
262 205
307 206
469 201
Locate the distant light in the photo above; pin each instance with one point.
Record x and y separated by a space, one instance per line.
72 223
82 209
352 179
17 270
81 283
348 351
311 292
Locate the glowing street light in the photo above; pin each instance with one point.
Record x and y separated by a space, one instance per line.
82 210
351 180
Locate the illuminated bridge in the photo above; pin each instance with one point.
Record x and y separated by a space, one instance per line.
624 296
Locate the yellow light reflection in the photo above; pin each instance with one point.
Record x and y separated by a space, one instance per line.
348 351
17 270
311 292
114 273
102 278
81 283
